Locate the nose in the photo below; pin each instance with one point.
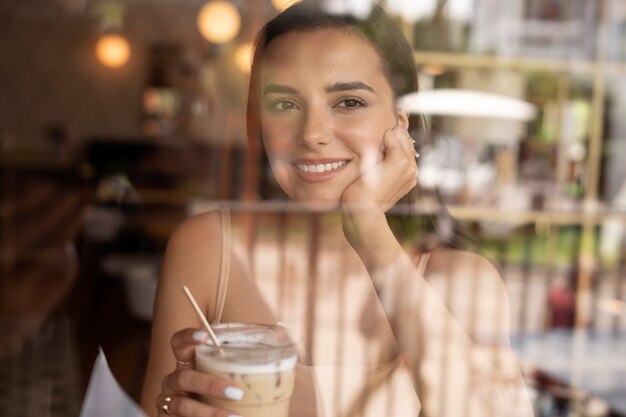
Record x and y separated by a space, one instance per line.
314 128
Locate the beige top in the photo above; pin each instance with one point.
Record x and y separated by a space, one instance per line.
349 354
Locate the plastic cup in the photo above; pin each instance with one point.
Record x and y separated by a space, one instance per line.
260 359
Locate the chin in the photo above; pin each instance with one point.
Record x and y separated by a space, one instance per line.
321 205
318 204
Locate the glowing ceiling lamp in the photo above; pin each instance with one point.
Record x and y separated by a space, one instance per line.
113 50
219 21
243 57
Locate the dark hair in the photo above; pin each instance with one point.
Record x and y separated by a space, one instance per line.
378 28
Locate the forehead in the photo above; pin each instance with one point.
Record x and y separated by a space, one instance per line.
325 54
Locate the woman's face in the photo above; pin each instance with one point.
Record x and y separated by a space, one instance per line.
325 107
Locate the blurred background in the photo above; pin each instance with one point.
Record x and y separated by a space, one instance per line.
120 118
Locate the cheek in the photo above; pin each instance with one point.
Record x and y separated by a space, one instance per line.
364 137
276 140
277 143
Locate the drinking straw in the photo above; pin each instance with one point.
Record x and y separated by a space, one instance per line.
207 326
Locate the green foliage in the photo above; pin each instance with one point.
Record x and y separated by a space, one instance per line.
535 249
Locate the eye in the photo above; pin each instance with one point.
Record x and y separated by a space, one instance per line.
282 105
351 102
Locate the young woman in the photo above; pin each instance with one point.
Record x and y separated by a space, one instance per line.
322 102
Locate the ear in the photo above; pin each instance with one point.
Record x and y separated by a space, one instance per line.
403 119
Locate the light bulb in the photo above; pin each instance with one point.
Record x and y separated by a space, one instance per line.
219 21
113 51
243 56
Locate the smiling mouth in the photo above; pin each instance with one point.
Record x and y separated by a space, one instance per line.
321 168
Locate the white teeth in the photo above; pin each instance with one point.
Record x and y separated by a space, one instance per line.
319 168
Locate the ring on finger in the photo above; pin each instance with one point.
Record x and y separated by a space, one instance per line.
165 404
184 362
417 155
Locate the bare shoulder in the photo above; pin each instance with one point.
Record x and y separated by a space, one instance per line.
192 257
468 270
447 260
473 290
198 229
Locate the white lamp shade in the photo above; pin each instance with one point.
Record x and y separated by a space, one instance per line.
467 103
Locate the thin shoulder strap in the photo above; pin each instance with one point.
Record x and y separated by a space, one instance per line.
422 262
222 285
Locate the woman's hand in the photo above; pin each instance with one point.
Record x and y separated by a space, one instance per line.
390 179
181 387
366 200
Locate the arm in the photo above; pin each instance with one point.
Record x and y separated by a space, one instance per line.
414 307
192 259
479 372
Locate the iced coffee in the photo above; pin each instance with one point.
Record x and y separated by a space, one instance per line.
259 359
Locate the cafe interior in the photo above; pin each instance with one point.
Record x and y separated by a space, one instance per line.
119 119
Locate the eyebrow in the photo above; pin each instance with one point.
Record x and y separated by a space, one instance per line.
340 86
346 86
280 89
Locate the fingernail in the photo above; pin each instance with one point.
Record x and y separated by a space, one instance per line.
200 336
233 393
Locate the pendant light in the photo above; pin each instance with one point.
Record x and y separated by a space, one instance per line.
219 21
112 48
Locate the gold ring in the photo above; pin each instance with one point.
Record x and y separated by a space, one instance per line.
183 362
417 155
165 406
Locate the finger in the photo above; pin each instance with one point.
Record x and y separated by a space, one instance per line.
399 151
195 382
397 142
184 344
405 156
406 141
189 407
